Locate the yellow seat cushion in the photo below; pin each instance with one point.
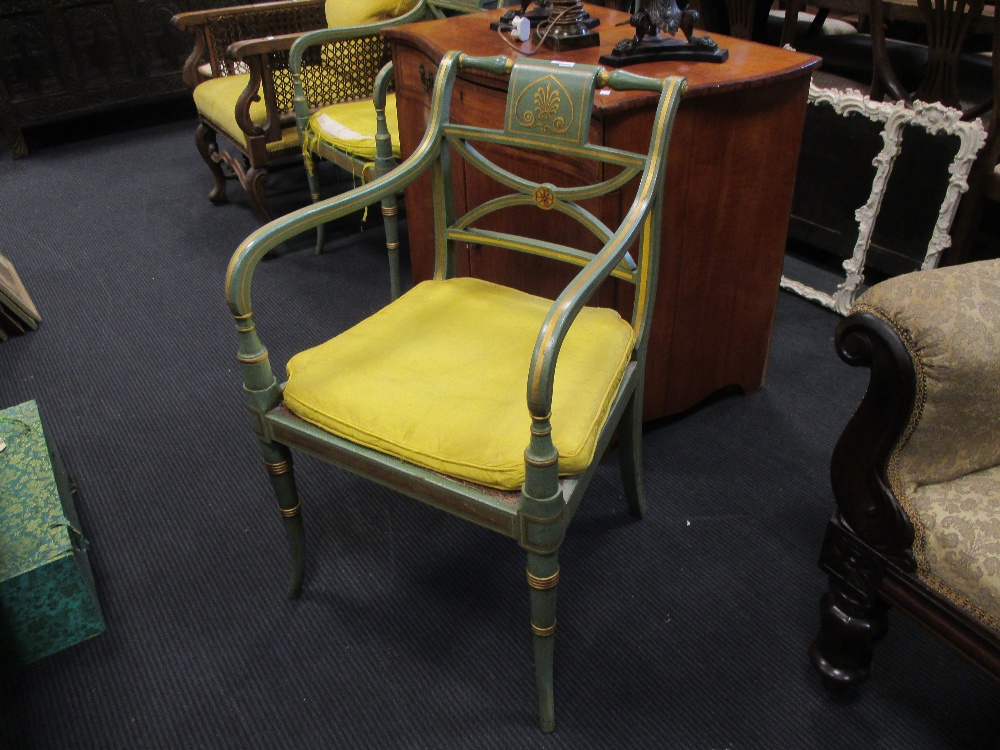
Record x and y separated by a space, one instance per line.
350 127
439 378
216 100
342 13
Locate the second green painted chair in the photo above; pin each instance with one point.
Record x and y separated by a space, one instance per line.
452 394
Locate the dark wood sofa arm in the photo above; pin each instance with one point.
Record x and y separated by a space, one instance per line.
860 466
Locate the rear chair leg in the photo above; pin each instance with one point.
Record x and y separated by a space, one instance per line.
390 218
630 454
309 162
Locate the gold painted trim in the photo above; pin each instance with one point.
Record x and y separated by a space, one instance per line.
290 512
281 467
543 584
544 632
542 464
254 359
392 246
390 210
244 316
541 419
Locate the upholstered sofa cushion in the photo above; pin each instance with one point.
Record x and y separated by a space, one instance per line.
439 378
961 538
946 473
216 100
343 13
350 127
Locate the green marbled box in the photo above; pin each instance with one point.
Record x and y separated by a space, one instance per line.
47 597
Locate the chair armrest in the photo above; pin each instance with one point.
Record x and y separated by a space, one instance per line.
258 378
245 48
860 466
268 237
579 291
643 218
258 55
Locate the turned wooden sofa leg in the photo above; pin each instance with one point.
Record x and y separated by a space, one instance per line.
853 615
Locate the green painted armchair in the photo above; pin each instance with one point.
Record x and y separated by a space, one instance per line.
452 393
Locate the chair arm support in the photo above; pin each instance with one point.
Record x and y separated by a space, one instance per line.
860 466
255 67
932 410
541 494
189 73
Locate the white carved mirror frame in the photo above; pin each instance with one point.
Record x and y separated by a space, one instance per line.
934 118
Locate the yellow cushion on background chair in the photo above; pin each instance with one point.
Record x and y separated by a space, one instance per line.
342 13
216 100
439 378
350 127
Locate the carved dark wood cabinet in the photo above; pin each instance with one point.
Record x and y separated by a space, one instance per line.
66 57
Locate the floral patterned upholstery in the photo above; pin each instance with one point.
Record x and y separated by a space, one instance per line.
946 470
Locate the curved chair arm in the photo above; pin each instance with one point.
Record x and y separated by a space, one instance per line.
258 378
859 469
541 485
256 54
246 48
579 291
951 319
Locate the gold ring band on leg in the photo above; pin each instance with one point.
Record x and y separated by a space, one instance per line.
543 584
281 467
290 512
544 632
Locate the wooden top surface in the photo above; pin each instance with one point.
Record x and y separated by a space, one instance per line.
749 65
